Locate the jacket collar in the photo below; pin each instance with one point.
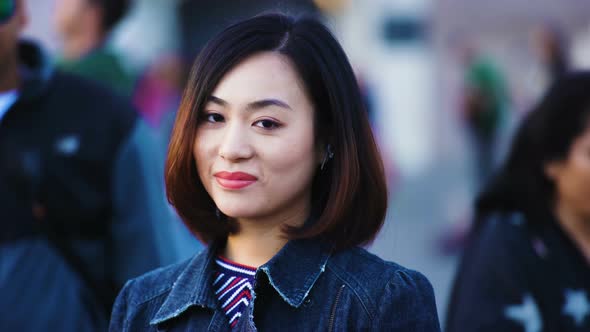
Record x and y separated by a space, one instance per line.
292 272
191 288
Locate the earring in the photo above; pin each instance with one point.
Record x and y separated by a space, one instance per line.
329 155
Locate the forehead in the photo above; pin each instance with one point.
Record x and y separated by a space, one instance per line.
263 75
66 3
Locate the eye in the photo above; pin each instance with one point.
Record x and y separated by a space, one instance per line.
213 117
267 124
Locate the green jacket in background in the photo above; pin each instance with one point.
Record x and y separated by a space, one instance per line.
488 96
104 66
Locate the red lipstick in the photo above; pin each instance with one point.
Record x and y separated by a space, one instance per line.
234 180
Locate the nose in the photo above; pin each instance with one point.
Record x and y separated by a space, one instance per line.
235 144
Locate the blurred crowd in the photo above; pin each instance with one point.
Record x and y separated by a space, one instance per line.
84 128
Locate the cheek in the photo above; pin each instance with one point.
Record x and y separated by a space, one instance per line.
63 11
575 182
584 183
581 170
202 153
294 160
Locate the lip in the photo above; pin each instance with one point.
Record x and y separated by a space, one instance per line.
234 180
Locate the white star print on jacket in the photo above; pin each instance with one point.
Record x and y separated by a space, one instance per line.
527 314
576 305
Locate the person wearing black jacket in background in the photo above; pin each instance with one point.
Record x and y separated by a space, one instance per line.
82 206
527 267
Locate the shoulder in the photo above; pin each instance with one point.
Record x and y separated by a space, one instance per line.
78 104
358 263
153 284
160 281
494 271
507 226
142 296
89 97
499 239
386 288
497 249
77 86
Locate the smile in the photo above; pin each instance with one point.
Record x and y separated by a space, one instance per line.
235 180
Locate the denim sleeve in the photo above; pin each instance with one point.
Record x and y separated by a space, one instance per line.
119 313
407 305
145 229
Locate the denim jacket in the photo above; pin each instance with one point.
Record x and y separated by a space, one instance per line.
304 287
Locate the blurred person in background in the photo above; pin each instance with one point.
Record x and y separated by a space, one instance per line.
483 110
159 90
80 197
273 164
485 100
527 267
551 46
85 27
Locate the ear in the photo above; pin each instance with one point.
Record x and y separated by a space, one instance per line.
322 148
552 169
320 151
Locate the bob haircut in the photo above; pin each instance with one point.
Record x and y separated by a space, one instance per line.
349 196
545 135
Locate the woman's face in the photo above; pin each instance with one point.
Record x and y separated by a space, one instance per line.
69 14
254 149
572 177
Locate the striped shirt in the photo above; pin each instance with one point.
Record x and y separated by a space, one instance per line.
233 288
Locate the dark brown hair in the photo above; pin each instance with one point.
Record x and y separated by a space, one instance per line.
113 11
545 135
349 196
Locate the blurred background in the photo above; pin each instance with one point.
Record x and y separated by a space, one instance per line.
426 67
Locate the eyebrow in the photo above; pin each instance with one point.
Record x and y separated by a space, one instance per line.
255 105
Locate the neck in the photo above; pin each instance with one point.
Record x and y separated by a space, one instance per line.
257 241
9 75
77 46
576 227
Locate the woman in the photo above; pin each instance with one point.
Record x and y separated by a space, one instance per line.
272 164
528 266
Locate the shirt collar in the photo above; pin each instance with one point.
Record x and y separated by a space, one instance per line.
293 282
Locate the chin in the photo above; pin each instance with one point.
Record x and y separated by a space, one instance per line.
239 212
